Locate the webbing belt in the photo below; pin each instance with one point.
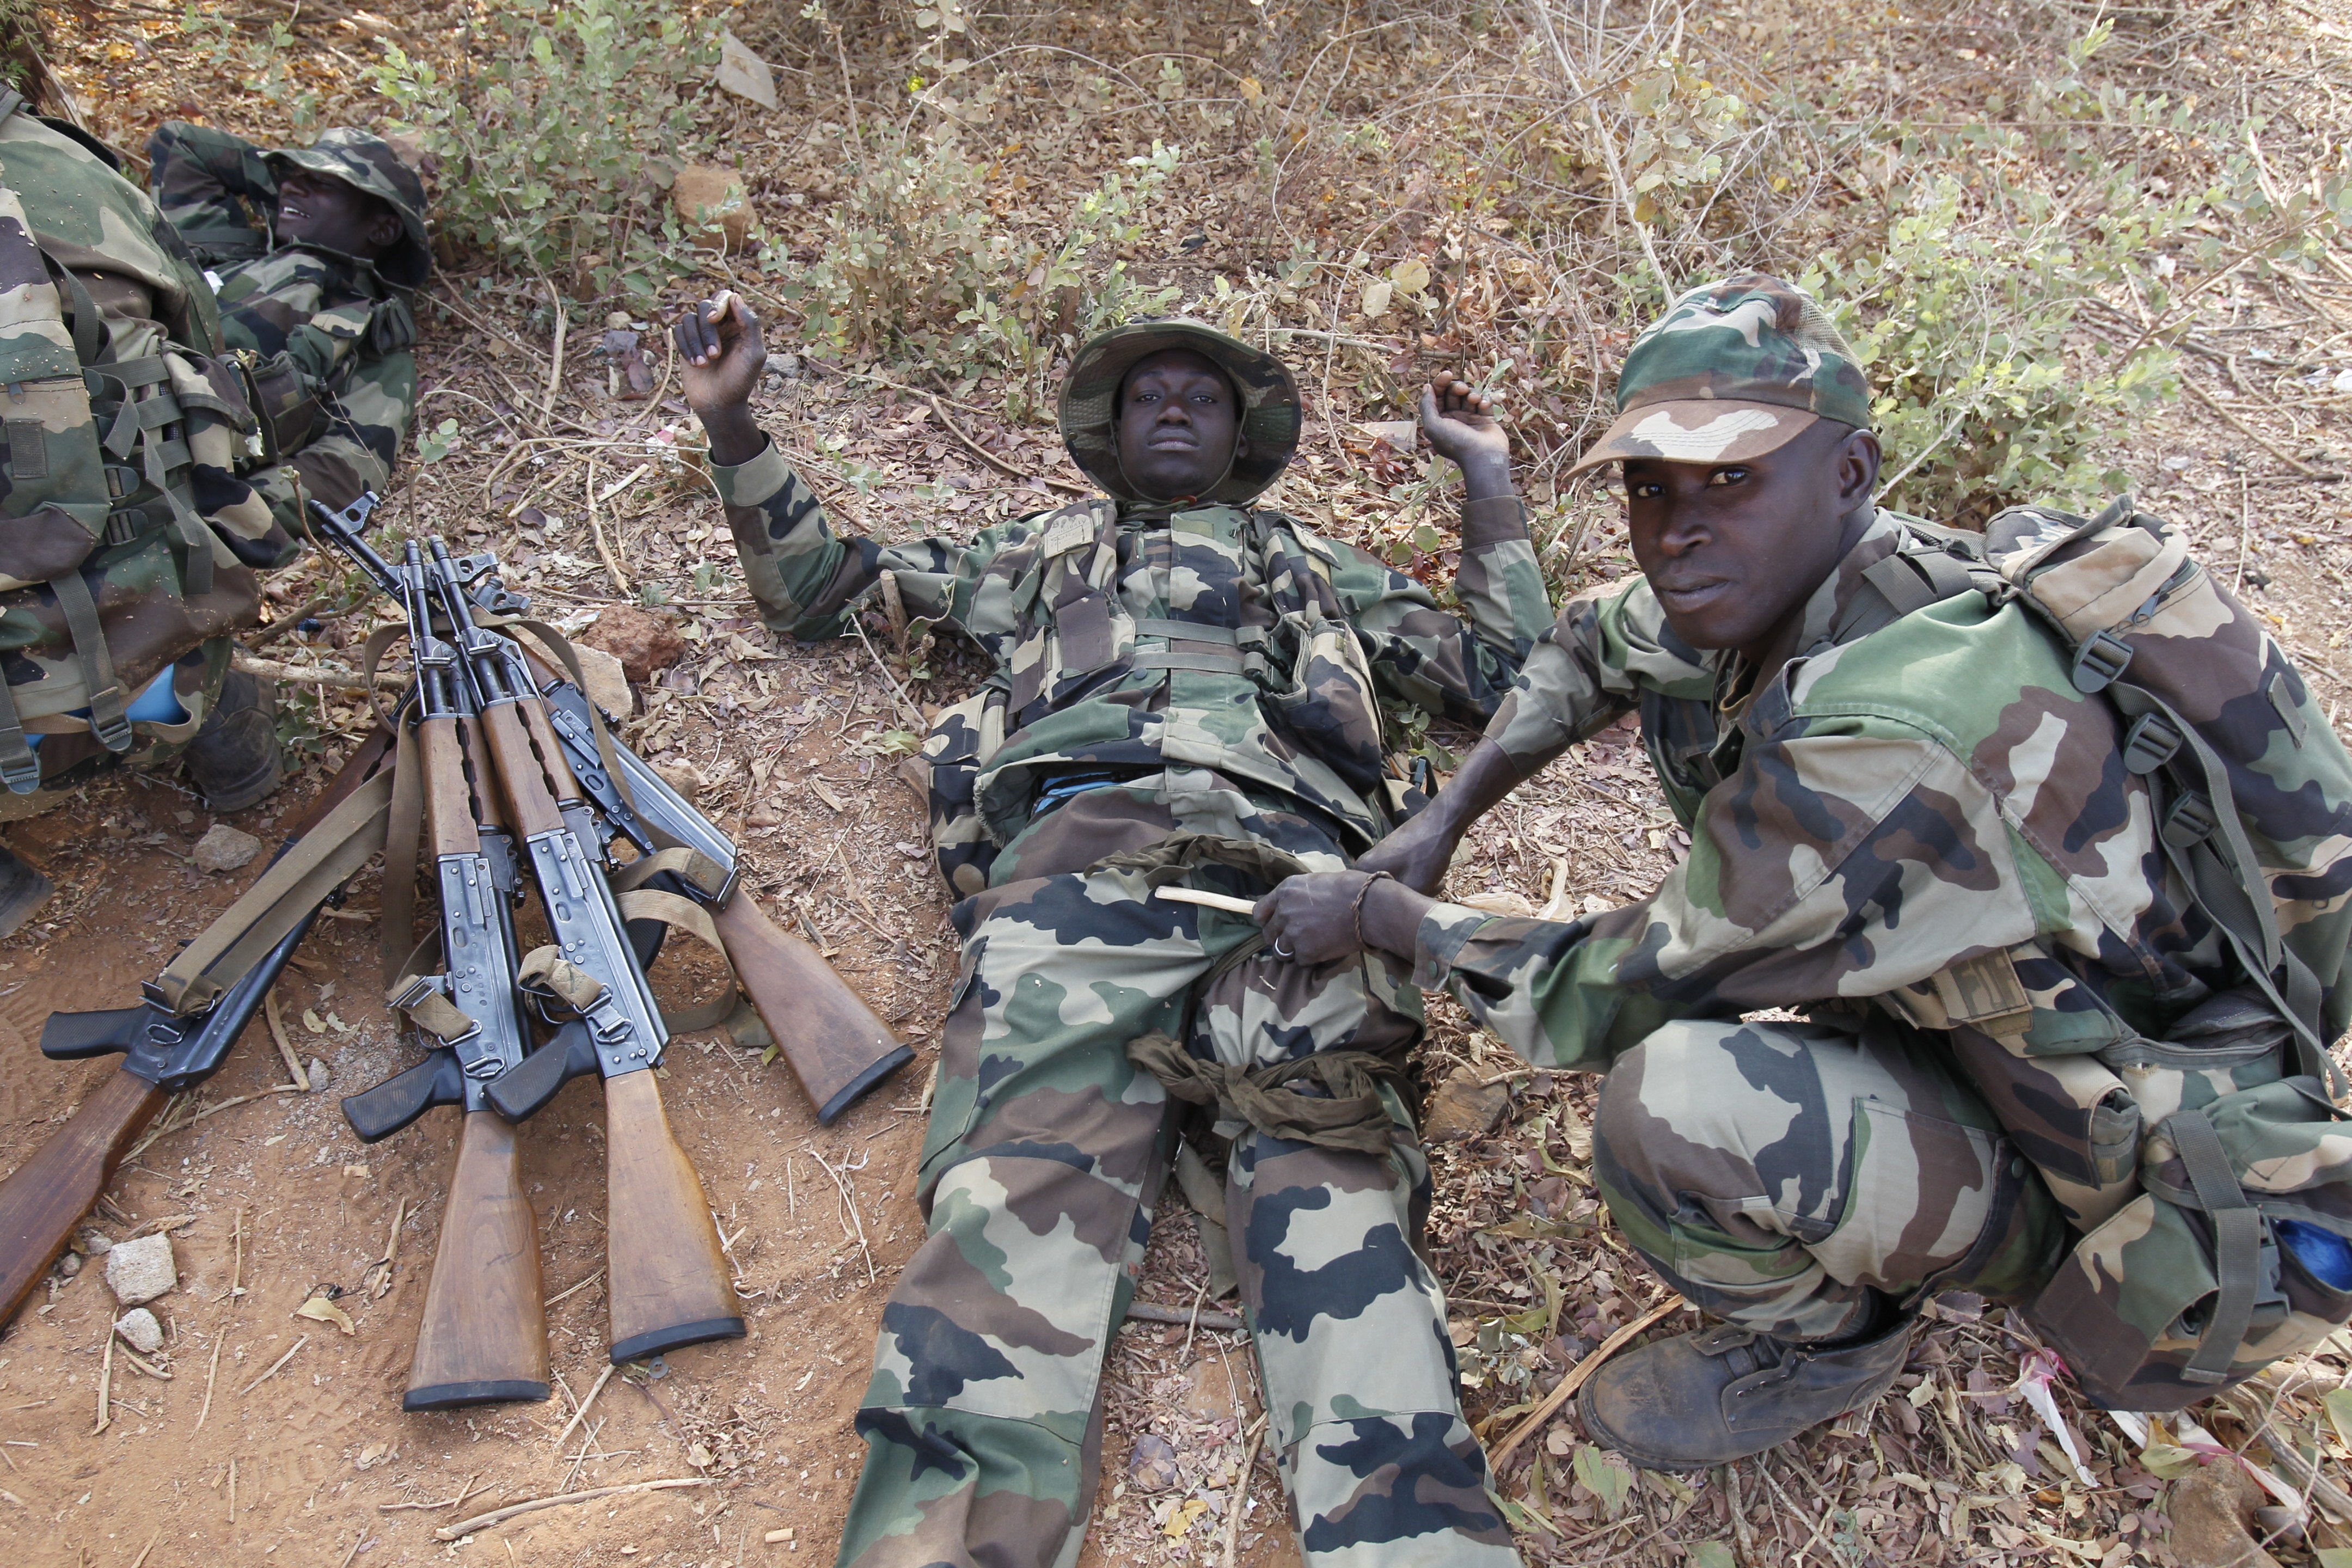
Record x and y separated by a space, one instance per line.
2237 1244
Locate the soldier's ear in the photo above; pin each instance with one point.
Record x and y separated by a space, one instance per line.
1857 460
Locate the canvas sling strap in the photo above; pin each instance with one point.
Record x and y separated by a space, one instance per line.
2237 1242
297 883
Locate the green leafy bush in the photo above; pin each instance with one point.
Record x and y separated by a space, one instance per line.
561 132
913 268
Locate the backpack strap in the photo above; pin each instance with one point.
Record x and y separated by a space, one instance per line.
2237 1245
1932 564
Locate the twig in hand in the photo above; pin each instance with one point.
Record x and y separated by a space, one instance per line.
1225 901
274 1365
497 1515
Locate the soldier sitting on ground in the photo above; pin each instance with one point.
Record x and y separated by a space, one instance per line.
1186 689
1911 823
317 253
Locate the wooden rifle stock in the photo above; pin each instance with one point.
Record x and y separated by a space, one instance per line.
666 1276
56 1186
837 1047
484 1336
44 1197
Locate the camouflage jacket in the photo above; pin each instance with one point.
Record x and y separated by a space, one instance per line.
1927 819
1125 637
129 541
341 325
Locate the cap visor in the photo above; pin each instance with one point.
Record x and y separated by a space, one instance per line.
1697 430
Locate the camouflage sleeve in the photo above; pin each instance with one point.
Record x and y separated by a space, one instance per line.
1589 667
1441 663
805 576
215 187
1848 856
357 448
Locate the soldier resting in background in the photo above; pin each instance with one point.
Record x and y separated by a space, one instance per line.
1910 822
317 253
1186 690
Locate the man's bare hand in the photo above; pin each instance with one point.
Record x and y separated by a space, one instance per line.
1322 917
1459 421
1415 853
721 353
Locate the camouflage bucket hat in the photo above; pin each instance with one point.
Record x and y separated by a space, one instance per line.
1732 370
367 163
1271 413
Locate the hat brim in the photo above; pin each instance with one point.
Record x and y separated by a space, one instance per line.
1697 430
1272 414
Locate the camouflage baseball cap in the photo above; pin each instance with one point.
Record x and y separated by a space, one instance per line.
1270 417
1732 370
366 161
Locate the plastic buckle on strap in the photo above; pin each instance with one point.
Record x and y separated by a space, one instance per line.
2149 743
22 775
2099 661
2190 822
108 721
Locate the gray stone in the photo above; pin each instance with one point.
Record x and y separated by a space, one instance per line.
92 1244
224 848
69 1264
138 1271
316 1074
139 1331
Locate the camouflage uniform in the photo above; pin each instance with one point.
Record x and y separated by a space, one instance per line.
1920 833
1205 669
127 506
344 323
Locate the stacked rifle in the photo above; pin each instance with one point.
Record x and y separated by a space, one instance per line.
509 776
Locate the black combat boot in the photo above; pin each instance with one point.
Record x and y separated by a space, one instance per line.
233 760
1720 1395
23 890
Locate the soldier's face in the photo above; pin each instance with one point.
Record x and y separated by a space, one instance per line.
1734 550
318 209
1179 429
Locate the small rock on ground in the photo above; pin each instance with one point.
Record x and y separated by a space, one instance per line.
646 645
224 848
139 1331
138 1271
1464 1107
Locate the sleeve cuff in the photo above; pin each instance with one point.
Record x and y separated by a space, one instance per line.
1438 941
755 482
1493 520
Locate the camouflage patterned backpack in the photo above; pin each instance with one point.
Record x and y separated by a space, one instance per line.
131 539
2226 1247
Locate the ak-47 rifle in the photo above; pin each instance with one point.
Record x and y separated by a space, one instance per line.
483 1334
164 1053
667 1279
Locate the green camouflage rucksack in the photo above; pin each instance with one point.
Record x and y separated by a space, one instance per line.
2219 1197
129 541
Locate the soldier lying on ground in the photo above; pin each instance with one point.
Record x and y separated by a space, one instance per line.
318 253
1186 689
1920 817
132 545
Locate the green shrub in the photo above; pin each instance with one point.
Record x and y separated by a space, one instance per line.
912 267
561 131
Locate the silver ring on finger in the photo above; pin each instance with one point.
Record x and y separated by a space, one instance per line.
1280 951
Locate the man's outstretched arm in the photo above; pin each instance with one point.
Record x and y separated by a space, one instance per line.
804 574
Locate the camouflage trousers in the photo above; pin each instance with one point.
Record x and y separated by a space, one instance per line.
1776 1172
1046 1157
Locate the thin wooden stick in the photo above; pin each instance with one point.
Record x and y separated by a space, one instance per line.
285 1046
580 1413
1240 1499
574 1290
596 527
555 359
105 1380
152 1540
391 1253
285 1051
210 1373
1206 900
1576 1376
274 1365
236 1279
499 1515
135 1358
232 1490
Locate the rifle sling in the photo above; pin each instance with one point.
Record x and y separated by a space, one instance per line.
403 836
301 881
